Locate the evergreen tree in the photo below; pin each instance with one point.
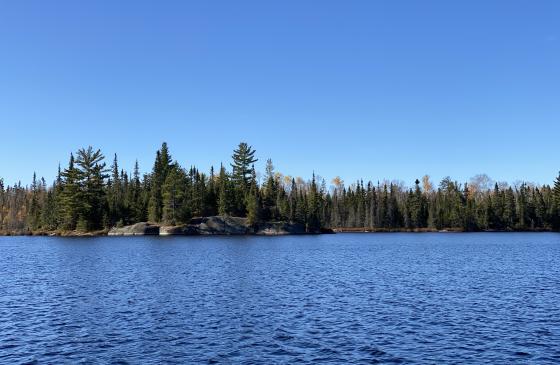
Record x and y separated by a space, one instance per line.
470 210
35 208
226 202
556 203
175 207
92 175
135 199
70 197
270 192
418 212
161 168
243 158
509 217
115 194
313 208
253 202
3 203
211 195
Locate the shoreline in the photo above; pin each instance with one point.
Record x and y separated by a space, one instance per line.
435 230
107 233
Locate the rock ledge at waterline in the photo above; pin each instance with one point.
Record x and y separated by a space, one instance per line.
216 225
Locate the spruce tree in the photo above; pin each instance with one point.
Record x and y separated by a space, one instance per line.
418 211
211 200
509 217
114 193
470 223
556 192
225 198
70 197
161 168
175 209
136 205
270 192
3 203
34 208
92 177
555 202
253 202
313 208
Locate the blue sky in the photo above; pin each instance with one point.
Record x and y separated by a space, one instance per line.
372 89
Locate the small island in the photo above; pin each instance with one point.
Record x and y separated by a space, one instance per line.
88 199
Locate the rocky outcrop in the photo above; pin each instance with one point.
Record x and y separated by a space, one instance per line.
216 225
279 229
221 225
138 229
171 230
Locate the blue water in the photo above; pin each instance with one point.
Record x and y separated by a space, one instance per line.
345 298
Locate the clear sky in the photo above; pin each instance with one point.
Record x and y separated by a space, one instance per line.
372 89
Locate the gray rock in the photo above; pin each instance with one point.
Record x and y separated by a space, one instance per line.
216 225
221 225
172 230
138 229
280 228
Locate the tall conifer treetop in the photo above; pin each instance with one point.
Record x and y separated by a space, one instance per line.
557 190
243 158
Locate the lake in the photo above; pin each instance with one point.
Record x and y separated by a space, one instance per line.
344 298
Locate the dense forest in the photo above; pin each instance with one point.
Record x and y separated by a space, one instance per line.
89 195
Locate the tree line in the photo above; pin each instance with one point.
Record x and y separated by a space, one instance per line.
88 195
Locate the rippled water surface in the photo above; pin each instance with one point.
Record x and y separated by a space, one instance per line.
345 298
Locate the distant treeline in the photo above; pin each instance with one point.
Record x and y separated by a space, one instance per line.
88 196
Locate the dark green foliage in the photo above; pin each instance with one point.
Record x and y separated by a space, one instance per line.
243 158
91 172
34 215
555 210
313 207
253 202
70 196
226 196
176 209
85 197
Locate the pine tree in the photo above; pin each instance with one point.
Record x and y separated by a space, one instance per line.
243 158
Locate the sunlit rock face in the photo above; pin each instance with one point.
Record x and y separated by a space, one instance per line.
216 225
